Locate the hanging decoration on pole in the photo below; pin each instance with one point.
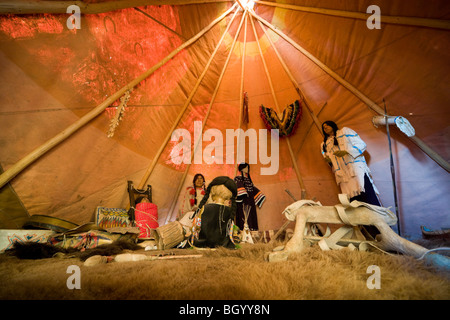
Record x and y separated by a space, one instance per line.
289 120
245 109
119 113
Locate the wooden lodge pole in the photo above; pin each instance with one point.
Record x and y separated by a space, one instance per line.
12 171
325 68
181 113
294 82
411 21
183 179
241 94
371 104
87 7
294 162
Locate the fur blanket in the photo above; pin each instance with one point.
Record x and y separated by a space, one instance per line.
224 274
33 250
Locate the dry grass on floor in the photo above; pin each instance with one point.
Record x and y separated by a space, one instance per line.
227 275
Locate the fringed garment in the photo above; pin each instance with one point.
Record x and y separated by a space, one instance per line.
351 171
216 226
247 195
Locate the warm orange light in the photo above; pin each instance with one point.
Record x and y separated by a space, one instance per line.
248 4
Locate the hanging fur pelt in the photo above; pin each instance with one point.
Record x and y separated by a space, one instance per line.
288 122
34 250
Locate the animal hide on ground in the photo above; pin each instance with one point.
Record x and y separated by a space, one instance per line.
224 274
33 250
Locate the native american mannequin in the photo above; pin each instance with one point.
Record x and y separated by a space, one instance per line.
194 194
343 149
214 222
193 197
247 196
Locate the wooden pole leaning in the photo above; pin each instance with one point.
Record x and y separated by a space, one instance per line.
371 104
180 114
294 162
325 68
294 82
87 7
14 170
180 185
411 21
241 94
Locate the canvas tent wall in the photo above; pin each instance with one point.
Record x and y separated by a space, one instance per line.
52 77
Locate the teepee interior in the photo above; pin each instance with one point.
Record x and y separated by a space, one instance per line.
187 65
98 95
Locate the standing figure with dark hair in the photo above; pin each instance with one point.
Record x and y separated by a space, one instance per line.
247 196
194 194
343 150
214 221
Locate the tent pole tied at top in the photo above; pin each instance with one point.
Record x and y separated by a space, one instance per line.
186 105
400 20
23 163
291 153
371 104
181 183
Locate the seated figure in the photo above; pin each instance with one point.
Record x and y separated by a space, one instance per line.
214 222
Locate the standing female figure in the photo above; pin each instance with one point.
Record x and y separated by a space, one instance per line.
343 150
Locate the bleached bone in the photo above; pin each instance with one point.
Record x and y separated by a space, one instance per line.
129 257
353 214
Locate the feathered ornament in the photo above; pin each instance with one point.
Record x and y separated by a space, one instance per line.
245 109
288 122
119 113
